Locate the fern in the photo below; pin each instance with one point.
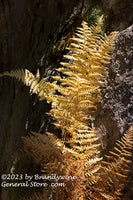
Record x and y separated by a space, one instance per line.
74 97
115 169
85 73
95 181
43 89
63 161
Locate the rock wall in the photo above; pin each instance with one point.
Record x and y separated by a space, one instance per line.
115 114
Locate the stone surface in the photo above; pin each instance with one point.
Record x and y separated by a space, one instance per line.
115 114
119 93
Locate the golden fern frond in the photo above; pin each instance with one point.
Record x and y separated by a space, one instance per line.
81 90
84 75
25 76
113 173
43 89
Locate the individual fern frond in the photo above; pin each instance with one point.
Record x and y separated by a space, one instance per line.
43 89
85 72
114 171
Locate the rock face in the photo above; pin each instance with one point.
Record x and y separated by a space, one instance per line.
115 116
119 93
